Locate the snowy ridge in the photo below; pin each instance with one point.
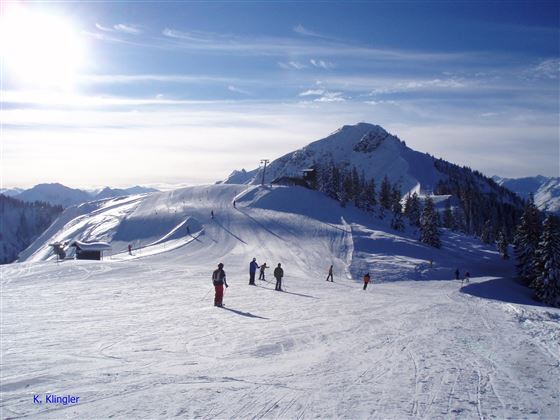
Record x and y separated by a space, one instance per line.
287 222
368 147
546 190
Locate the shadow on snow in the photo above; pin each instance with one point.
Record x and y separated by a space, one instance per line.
503 290
247 314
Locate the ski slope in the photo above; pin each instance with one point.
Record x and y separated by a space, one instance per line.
136 336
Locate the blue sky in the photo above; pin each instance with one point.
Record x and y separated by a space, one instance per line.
185 92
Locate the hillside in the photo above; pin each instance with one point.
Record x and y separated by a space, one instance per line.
21 223
353 163
545 190
273 216
142 339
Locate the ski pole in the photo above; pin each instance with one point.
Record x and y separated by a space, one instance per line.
204 297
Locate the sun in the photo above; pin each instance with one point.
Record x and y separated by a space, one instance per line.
39 49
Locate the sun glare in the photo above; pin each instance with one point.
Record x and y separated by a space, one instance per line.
39 49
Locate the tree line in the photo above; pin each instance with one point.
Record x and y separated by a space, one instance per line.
477 206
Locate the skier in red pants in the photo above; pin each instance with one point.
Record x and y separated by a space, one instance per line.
219 280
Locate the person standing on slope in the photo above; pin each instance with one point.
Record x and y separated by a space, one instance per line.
457 274
278 273
467 278
366 280
261 275
252 270
219 280
330 274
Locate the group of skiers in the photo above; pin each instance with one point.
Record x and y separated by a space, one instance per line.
278 273
219 278
465 279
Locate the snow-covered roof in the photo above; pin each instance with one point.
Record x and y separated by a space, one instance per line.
91 246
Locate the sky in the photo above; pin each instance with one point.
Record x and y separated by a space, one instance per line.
179 93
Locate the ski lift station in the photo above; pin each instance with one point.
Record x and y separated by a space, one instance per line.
90 250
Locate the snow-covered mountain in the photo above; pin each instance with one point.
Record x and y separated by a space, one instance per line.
367 147
408 346
21 223
58 194
55 194
546 190
371 153
10 192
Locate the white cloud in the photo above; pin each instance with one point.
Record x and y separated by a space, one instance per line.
232 88
331 97
300 29
548 69
312 92
104 28
128 28
327 65
291 65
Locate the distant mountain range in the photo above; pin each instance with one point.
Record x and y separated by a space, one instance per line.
58 194
546 190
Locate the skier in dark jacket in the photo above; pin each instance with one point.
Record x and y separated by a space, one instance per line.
252 270
366 280
457 274
261 275
219 280
278 273
330 276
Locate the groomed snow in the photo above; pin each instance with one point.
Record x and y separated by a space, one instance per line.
137 336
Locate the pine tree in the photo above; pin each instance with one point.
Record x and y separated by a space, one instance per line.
397 221
332 182
526 242
547 263
429 233
346 193
407 205
487 235
502 245
413 210
385 194
356 187
459 220
370 196
448 221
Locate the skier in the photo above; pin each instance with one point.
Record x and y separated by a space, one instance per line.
330 274
252 270
233 203
457 274
278 273
212 214
219 280
366 280
129 249
261 275
467 278
188 230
